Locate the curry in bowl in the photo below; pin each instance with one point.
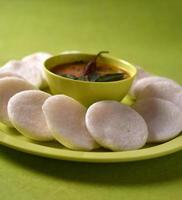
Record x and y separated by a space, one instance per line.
90 71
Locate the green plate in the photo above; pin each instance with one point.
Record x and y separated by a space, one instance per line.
12 138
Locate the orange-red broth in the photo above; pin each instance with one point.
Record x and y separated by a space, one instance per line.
77 69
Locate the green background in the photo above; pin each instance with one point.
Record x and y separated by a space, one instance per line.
147 33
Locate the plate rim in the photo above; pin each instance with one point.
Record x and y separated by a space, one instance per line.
159 150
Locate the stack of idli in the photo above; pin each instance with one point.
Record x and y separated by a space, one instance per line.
30 68
20 100
159 102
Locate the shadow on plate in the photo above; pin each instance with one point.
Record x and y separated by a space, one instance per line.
152 171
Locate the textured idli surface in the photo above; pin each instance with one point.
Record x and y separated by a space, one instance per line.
66 120
25 70
139 86
163 118
38 57
37 60
141 73
9 74
26 115
161 89
9 86
177 100
30 68
116 126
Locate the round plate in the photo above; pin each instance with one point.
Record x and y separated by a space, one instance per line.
10 137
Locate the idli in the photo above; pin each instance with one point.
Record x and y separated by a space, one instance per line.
24 69
30 68
37 60
66 120
9 74
141 73
116 126
161 89
26 115
38 57
177 100
144 82
9 86
163 118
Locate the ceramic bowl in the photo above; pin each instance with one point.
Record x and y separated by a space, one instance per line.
84 91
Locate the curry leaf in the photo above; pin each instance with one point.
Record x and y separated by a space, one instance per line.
93 77
110 77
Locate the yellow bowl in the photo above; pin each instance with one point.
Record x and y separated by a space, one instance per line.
84 91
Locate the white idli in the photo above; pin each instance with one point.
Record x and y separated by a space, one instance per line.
26 115
116 126
161 89
9 74
66 119
30 68
24 69
9 86
37 60
163 118
144 82
141 73
38 57
177 100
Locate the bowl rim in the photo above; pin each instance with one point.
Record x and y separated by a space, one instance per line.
134 69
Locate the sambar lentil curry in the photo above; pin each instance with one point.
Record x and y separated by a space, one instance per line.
91 71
